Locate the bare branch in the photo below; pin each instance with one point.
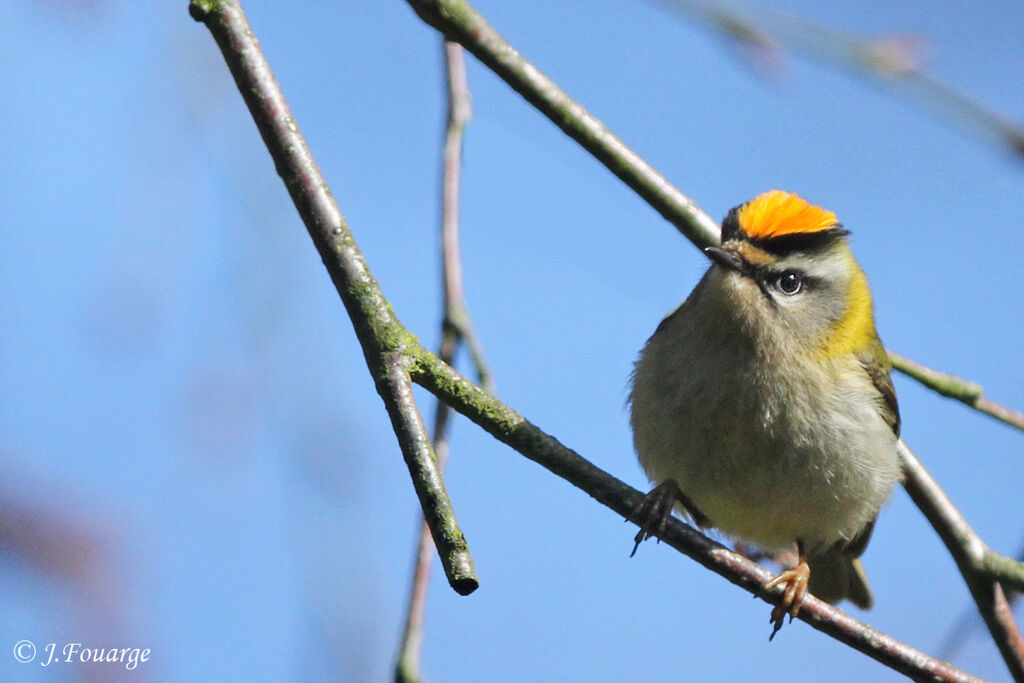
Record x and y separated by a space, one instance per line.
972 557
383 338
892 62
460 110
456 327
952 386
1003 569
407 665
426 473
458 21
969 618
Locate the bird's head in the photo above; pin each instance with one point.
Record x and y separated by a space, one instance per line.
784 270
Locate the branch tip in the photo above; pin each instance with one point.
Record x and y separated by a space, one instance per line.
202 9
388 347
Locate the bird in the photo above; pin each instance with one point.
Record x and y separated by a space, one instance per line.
763 405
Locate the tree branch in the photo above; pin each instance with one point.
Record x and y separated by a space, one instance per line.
407 665
456 312
952 386
509 427
961 628
456 327
1003 569
384 340
893 62
461 23
972 557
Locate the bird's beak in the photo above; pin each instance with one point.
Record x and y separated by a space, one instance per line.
727 258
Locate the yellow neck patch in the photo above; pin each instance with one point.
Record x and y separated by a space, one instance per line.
776 213
856 329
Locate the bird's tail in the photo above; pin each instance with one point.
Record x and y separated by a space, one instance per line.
836 576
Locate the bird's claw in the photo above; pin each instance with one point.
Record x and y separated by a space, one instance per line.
653 510
795 581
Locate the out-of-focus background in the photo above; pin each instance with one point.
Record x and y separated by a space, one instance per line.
194 459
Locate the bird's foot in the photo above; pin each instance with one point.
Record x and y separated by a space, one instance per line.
795 580
653 511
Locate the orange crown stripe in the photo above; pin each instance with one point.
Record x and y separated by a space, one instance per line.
776 213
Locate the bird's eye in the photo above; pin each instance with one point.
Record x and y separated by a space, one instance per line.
790 282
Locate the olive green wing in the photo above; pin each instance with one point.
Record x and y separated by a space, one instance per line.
876 362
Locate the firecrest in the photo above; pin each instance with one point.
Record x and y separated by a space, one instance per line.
763 405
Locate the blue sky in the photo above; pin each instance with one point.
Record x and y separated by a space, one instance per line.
187 422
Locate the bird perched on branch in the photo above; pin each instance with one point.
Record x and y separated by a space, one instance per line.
763 405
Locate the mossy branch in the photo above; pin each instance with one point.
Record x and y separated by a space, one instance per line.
384 339
511 428
461 23
984 571
957 388
456 329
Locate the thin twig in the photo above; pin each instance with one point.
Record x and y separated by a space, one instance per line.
972 557
426 474
456 327
957 388
384 340
407 666
1003 569
969 618
456 312
892 62
458 21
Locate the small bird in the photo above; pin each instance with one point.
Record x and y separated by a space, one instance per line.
763 406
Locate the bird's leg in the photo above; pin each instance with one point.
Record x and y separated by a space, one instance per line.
795 580
654 509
